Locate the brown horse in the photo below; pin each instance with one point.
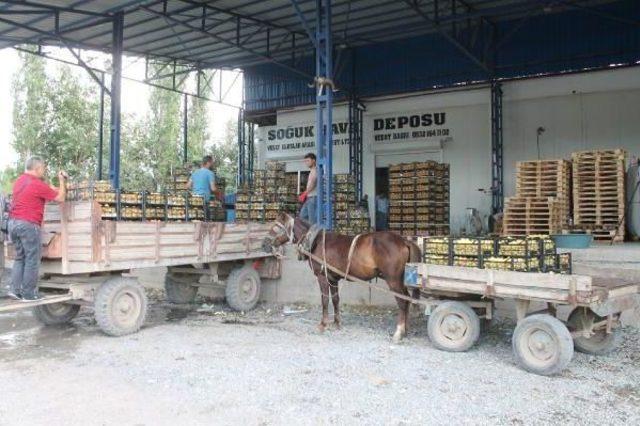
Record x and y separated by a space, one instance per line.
377 254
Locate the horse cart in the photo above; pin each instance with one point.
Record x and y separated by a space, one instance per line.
456 298
87 261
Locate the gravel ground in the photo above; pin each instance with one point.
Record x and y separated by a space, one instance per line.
217 367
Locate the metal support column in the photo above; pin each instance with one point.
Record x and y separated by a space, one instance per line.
355 143
241 148
250 147
101 129
324 112
116 77
185 130
497 165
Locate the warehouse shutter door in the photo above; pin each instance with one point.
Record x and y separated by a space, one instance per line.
383 161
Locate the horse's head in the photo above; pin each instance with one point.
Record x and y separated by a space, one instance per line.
280 233
285 229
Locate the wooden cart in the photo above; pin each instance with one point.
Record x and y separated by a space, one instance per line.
87 260
457 297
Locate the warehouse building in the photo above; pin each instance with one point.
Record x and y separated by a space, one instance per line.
589 110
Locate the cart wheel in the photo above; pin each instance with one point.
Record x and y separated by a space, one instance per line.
243 288
120 306
56 313
542 344
453 327
178 288
599 343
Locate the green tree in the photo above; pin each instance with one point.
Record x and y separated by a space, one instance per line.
55 117
160 150
225 154
198 131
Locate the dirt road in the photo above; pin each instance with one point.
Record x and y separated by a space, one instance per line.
214 367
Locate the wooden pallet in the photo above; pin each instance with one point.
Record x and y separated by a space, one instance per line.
532 215
545 178
599 192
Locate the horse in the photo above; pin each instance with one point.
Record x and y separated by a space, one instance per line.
366 256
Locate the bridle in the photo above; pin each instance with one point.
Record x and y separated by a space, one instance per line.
286 229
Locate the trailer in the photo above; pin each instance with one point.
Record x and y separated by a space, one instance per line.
87 261
457 298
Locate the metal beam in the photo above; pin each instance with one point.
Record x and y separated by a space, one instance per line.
497 157
101 127
50 7
185 130
324 113
451 38
87 68
116 77
222 40
182 92
303 21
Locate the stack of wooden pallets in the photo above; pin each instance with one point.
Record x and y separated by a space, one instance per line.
599 193
543 198
533 215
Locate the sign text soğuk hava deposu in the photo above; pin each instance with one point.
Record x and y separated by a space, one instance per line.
303 131
385 129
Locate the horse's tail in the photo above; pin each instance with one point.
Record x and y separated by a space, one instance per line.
415 254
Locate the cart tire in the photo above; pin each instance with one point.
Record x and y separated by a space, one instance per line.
178 290
56 313
542 344
120 306
453 327
243 288
600 343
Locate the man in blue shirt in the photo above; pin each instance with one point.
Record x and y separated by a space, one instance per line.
203 180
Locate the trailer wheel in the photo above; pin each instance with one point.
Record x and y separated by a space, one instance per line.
542 344
243 288
56 313
599 343
178 288
120 306
453 327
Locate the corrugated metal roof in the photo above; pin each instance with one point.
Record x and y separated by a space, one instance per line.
235 34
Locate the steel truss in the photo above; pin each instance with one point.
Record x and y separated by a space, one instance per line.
497 156
246 149
356 110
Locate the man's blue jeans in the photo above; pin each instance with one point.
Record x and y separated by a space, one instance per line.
27 242
308 210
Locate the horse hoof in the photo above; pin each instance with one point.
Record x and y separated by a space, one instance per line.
322 328
337 325
397 338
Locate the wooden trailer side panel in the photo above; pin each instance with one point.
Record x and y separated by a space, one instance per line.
91 244
507 284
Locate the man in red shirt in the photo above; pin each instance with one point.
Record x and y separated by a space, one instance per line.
29 196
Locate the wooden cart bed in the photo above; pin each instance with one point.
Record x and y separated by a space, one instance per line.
79 241
548 287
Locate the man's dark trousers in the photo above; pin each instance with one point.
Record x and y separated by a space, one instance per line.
25 237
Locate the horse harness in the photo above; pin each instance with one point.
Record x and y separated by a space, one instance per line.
308 242
323 261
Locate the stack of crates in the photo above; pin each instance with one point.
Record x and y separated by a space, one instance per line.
348 217
525 254
142 205
267 195
419 198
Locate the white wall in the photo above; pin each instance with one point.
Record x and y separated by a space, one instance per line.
582 111
468 152
596 110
